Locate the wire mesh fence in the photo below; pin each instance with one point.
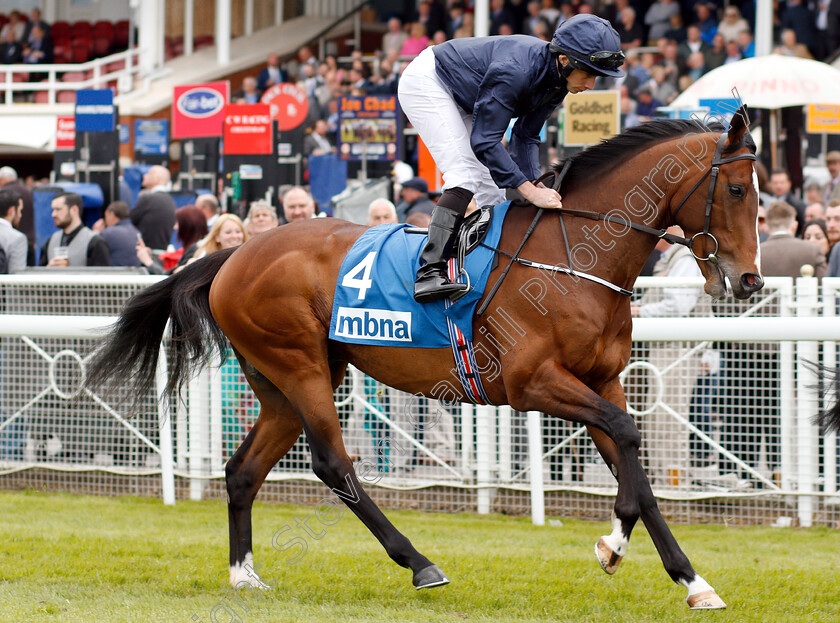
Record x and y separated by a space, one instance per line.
727 424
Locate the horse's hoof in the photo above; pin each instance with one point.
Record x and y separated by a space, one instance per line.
607 558
429 578
705 600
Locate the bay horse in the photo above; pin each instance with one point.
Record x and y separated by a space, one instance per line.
272 299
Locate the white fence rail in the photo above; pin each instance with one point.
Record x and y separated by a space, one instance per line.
120 70
726 416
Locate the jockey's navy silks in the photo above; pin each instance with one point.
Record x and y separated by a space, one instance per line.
501 78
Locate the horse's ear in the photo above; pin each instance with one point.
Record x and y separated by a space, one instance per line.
739 125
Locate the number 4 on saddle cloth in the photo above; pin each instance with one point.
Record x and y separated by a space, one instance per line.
374 297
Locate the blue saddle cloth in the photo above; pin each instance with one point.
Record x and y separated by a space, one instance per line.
374 297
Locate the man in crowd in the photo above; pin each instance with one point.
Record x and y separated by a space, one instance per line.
154 212
832 226
780 190
248 94
316 142
395 37
814 210
12 241
120 235
74 244
381 211
298 205
784 255
414 198
832 163
209 206
272 74
9 181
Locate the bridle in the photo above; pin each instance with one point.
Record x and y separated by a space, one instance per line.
711 173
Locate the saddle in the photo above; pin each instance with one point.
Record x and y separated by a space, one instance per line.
471 234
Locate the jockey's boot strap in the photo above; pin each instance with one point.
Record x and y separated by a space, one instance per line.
432 281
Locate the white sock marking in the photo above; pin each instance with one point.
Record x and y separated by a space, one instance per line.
616 540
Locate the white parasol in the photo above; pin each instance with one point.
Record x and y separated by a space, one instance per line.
771 82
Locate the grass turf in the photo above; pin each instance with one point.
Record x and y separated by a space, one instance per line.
78 558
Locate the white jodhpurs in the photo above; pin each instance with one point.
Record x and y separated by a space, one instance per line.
445 129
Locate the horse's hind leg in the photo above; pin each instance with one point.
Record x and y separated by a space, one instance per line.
611 548
276 430
312 397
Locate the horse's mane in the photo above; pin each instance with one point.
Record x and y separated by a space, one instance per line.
586 164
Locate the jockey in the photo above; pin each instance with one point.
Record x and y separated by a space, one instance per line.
461 95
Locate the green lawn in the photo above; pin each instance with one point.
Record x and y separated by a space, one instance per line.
92 559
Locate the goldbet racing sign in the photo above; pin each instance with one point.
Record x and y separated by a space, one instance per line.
590 117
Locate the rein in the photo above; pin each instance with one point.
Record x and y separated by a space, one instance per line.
711 173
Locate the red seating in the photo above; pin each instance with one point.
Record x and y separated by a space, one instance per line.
61 40
101 46
80 29
121 30
66 97
103 29
79 54
59 30
62 48
42 97
3 19
87 42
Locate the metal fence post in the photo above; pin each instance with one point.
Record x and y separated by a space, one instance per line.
806 406
829 310
484 434
467 441
198 430
535 453
505 472
214 372
167 477
787 406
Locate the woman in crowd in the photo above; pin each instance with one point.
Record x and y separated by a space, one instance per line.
191 225
227 232
261 217
815 231
416 42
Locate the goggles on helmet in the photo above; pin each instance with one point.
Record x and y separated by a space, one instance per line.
602 60
605 59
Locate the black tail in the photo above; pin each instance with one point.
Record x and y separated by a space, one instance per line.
829 419
129 354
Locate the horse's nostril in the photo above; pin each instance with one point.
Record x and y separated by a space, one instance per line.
752 282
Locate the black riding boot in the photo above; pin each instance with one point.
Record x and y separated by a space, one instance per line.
432 282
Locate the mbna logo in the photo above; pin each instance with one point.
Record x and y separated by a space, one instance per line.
200 103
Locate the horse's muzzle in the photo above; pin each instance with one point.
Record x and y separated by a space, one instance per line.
751 283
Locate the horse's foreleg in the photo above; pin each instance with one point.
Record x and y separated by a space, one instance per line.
612 547
555 391
313 400
274 433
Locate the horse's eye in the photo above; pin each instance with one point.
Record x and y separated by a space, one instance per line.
736 191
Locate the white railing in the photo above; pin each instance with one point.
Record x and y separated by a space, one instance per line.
473 452
100 78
